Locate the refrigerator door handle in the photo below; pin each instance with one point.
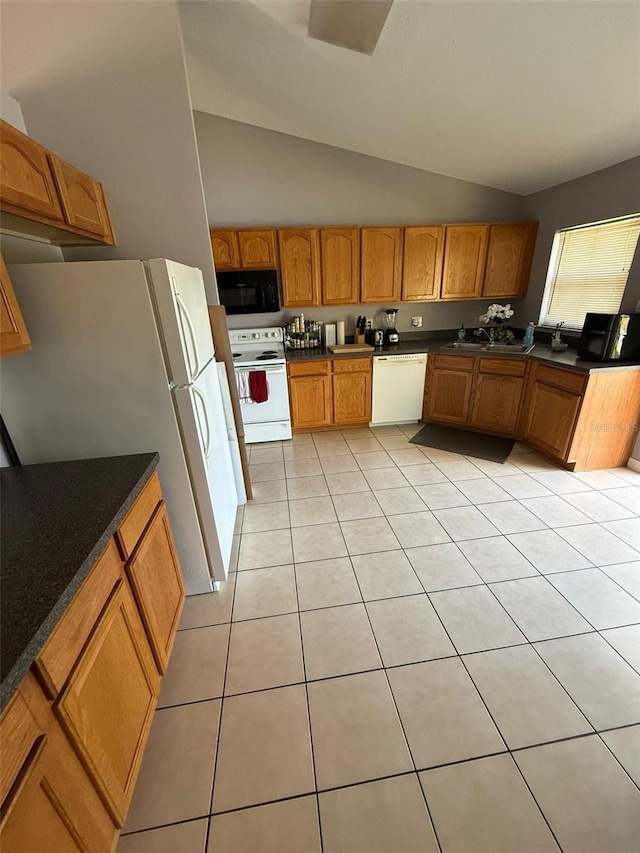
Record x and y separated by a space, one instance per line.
207 443
184 314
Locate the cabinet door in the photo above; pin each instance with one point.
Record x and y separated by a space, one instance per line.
257 250
352 396
82 199
422 262
26 180
340 251
380 264
224 245
464 258
448 396
310 401
50 803
509 257
551 418
156 578
496 402
299 267
14 337
107 706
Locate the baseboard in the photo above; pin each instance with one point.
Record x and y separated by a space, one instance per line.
634 464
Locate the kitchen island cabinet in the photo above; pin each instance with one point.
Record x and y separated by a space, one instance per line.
328 393
84 658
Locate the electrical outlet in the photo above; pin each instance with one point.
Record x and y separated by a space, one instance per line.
416 322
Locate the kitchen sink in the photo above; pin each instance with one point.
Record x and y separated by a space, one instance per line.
464 345
517 349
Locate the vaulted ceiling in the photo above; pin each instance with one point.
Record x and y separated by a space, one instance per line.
516 94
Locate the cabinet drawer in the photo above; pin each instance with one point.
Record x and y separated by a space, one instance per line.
352 365
138 516
309 368
564 379
503 366
63 648
453 362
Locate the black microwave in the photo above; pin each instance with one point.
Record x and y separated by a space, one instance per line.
610 337
250 292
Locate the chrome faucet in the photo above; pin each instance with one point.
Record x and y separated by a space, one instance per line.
490 334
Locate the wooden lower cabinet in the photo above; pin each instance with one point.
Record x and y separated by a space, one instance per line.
73 737
108 704
48 802
330 392
14 337
496 404
156 579
352 391
551 418
476 392
449 396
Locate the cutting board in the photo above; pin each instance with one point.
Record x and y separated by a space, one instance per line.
344 348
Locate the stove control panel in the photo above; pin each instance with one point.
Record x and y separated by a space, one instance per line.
255 336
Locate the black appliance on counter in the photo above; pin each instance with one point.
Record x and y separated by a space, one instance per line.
249 292
610 337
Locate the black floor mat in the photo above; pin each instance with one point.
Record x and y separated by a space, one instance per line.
490 447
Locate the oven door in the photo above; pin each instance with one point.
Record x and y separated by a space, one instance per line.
276 408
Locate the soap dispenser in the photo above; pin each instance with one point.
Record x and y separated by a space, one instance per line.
462 333
528 335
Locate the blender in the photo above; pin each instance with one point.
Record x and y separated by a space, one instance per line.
391 335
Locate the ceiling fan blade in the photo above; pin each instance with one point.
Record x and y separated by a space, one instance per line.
352 24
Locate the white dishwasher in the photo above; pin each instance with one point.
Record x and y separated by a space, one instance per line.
398 388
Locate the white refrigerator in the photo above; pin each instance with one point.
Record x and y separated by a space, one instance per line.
122 361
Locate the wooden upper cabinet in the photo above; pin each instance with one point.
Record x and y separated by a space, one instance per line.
26 179
257 249
422 262
224 245
464 260
340 251
299 267
509 257
156 579
380 264
14 337
83 201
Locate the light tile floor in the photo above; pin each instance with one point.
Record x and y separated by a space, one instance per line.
417 651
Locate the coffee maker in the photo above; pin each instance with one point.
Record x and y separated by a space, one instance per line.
391 335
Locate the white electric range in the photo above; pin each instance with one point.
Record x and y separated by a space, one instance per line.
262 349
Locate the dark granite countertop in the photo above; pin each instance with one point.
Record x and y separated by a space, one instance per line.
409 345
56 520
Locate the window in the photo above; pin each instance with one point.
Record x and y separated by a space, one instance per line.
588 271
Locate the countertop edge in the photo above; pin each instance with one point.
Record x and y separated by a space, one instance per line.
412 347
12 679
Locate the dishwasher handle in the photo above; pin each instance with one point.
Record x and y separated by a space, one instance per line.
410 358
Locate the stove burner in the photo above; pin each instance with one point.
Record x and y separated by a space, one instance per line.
266 356
270 352
236 354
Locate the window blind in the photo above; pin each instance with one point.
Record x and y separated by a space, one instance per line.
588 271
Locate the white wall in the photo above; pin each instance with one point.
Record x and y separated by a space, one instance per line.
254 177
104 85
